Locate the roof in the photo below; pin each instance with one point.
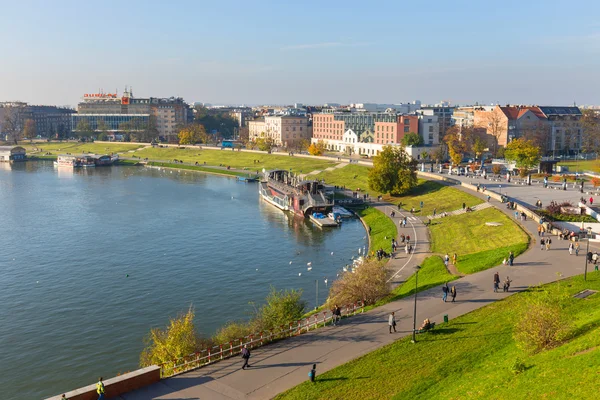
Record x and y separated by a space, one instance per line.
516 112
11 148
551 110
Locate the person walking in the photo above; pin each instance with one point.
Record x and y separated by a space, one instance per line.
571 248
577 249
337 315
454 258
548 243
591 200
444 292
464 206
245 356
496 282
542 243
453 293
506 284
434 211
446 260
392 322
100 389
511 258
312 374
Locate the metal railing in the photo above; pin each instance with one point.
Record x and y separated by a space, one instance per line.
226 350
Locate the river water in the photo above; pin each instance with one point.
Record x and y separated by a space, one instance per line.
91 260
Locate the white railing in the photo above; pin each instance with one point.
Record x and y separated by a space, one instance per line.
234 347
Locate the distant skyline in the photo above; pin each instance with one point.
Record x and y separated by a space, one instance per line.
268 52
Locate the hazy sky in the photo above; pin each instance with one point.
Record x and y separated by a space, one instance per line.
52 52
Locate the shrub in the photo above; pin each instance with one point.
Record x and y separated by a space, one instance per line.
367 284
596 182
281 308
179 339
518 366
233 331
523 172
497 169
543 323
554 208
556 178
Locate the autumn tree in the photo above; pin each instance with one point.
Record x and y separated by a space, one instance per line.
438 155
147 131
523 152
495 127
12 124
29 129
539 133
265 143
412 139
590 139
393 171
456 146
478 147
317 149
192 134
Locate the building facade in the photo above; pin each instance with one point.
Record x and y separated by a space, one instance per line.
429 129
50 121
287 130
256 129
12 153
444 114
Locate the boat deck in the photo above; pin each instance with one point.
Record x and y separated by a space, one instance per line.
323 221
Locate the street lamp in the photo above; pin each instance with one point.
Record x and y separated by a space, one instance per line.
414 338
589 232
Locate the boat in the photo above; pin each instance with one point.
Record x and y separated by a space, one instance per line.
85 160
340 212
247 178
322 220
290 193
66 161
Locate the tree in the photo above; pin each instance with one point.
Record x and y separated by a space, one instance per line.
393 171
317 149
424 155
84 130
523 152
265 143
367 283
494 126
12 124
412 139
29 129
478 146
216 120
192 134
281 308
590 139
103 130
178 340
539 133
438 155
456 146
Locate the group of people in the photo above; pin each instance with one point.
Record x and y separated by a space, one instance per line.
545 243
380 254
505 284
574 248
510 259
447 290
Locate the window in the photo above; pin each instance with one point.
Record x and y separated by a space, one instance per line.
406 122
406 129
430 128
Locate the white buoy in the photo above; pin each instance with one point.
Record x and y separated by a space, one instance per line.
309 263
332 253
290 263
257 269
309 268
299 273
37 281
325 281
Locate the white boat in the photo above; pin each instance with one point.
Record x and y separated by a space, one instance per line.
341 211
66 161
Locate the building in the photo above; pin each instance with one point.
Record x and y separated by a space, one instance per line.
565 128
50 121
12 153
393 132
287 130
429 129
167 114
256 128
403 108
444 113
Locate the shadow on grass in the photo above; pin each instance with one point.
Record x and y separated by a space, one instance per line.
430 336
445 331
342 378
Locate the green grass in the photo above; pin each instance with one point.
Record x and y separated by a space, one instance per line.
467 234
435 195
198 168
433 272
56 148
383 229
235 159
581 165
352 176
471 358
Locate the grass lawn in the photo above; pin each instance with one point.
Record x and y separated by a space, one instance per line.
196 168
78 148
352 176
235 159
471 357
435 195
383 229
582 165
477 245
433 272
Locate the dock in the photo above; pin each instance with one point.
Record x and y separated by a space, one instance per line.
323 222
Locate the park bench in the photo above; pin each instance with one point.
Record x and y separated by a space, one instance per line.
432 325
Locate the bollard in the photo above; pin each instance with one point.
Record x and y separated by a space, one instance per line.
221 347
446 318
231 348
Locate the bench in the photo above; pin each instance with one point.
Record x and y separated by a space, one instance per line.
432 325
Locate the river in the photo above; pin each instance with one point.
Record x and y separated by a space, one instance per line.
91 260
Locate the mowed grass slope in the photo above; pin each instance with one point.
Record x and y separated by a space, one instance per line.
352 176
471 357
383 229
435 196
78 148
477 245
236 159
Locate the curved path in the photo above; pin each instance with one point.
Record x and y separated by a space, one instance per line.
280 366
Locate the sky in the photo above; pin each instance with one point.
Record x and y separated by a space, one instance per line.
312 52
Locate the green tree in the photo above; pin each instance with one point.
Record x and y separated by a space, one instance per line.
29 129
393 171
523 152
179 339
83 129
192 134
217 120
265 143
412 139
102 129
281 308
478 147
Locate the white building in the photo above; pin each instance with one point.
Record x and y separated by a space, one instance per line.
429 129
403 108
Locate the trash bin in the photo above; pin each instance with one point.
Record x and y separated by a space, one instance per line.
446 318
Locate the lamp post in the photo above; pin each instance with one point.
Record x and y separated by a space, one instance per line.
414 338
589 232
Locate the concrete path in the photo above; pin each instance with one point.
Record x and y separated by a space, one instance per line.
283 365
460 211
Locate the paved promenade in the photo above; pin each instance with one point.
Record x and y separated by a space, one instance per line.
283 365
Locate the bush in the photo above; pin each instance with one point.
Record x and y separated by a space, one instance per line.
596 182
367 284
282 307
543 323
497 169
556 178
233 331
179 339
518 366
554 208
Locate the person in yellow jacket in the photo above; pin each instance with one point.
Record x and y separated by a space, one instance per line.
100 389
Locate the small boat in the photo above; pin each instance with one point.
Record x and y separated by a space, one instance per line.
247 178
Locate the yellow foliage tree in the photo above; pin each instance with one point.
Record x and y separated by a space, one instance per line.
192 134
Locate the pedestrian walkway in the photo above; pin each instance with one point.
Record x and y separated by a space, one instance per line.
317 171
460 211
281 366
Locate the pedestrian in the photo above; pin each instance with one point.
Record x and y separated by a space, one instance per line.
444 292
595 257
511 258
496 282
64 397
312 374
434 211
589 257
539 229
100 389
408 238
548 243
392 322
591 201
571 248
577 249
453 293
338 314
488 198
454 258
506 284
464 206
406 248
245 356
446 260
542 243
